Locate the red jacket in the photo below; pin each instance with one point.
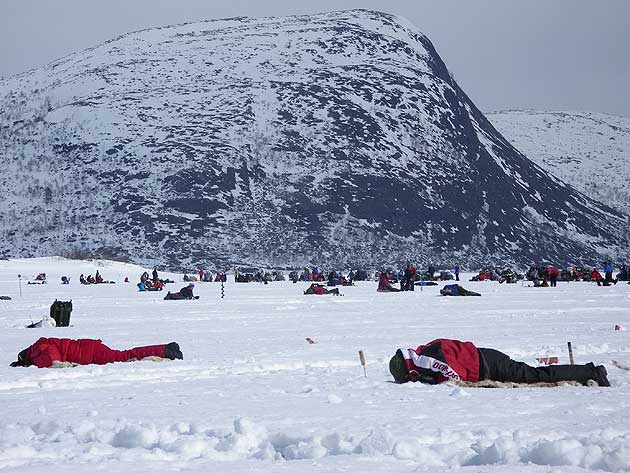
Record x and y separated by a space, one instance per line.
45 351
384 285
551 271
320 290
596 276
444 359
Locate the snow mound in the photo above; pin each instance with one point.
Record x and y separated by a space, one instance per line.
606 450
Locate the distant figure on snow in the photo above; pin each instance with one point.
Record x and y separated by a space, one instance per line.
608 272
384 285
407 283
551 274
443 360
457 290
597 277
184 293
320 290
47 351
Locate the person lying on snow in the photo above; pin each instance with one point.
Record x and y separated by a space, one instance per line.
443 360
457 290
47 351
184 293
384 285
320 290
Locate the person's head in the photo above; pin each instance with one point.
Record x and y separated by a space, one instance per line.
22 359
399 368
191 286
446 291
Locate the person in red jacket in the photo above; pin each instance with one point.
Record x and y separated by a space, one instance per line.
552 274
443 359
384 285
597 277
46 351
320 290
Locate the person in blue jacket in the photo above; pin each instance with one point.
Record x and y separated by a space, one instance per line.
608 271
457 290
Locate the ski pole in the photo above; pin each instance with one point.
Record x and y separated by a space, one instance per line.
362 359
20 283
570 352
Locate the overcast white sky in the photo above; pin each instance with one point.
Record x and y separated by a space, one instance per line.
540 54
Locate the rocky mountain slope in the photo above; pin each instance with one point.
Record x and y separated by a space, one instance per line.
333 138
591 151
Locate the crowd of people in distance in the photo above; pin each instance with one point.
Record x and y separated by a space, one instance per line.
546 275
506 275
258 276
97 279
153 283
205 276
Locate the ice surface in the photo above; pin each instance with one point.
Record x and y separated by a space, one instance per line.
252 395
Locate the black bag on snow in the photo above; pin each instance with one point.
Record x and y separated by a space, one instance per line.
60 311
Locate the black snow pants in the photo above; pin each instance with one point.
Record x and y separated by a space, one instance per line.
500 367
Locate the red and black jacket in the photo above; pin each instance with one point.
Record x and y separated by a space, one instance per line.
442 360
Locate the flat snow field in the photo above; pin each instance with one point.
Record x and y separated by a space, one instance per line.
252 395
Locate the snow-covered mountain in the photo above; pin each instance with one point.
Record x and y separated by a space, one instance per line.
338 137
590 151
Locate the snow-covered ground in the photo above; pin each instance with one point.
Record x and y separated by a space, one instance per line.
252 395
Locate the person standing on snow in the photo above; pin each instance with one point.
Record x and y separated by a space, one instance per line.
47 351
608 271
443 360
409 278
552 274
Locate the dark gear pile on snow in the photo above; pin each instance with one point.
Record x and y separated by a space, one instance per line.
60 311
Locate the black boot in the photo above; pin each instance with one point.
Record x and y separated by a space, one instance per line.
602 376
172 352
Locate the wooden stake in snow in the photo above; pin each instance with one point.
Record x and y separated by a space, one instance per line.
362 359
570 352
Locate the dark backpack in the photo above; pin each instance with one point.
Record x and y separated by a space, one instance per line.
60 311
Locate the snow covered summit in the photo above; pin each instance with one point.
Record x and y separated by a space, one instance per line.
338 137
